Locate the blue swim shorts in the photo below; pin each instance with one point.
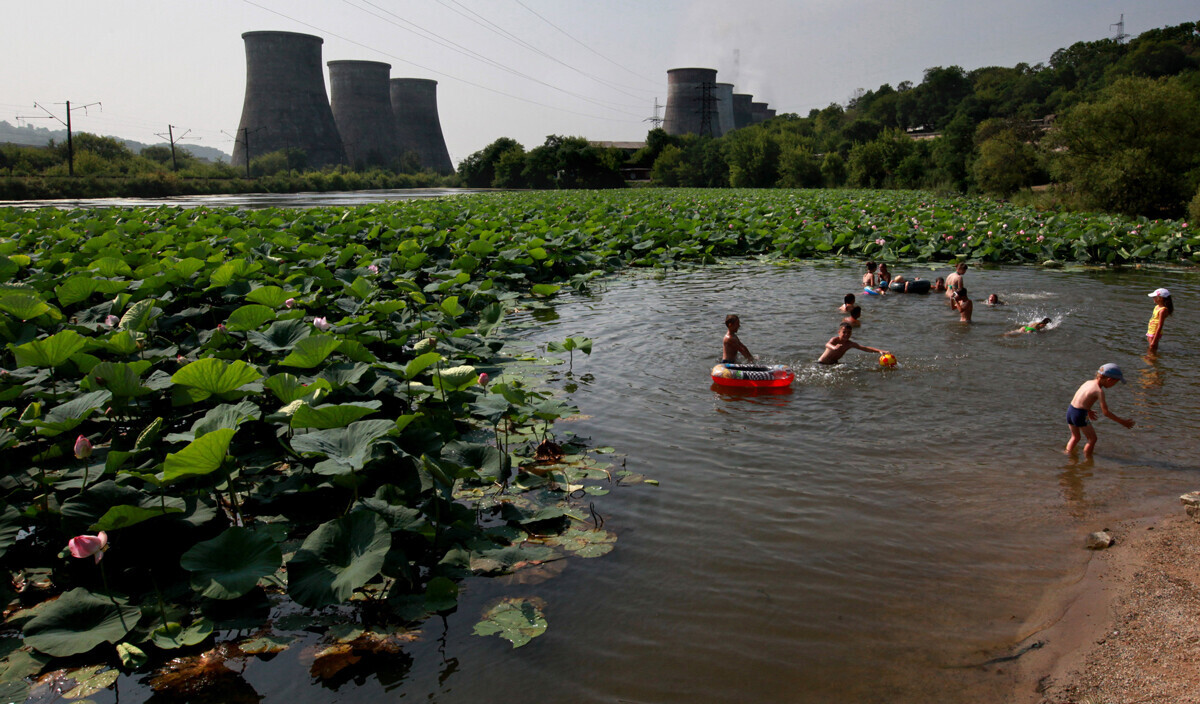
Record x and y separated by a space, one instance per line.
1077 417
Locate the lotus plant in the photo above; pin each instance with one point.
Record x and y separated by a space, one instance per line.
321 324
83 448
82 546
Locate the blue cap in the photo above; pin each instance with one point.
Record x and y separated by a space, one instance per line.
1112 371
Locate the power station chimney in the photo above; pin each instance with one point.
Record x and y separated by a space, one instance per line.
691 102
725 108
758 113
362 109
286 105
418 129
741 110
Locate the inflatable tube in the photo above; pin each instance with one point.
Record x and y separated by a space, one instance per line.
751 375
918 286
870 292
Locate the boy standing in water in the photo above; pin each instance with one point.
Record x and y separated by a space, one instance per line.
841 343
961 302
1080 411
731 345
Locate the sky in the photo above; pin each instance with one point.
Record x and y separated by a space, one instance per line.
523 69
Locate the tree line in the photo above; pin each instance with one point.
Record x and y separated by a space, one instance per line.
1112 125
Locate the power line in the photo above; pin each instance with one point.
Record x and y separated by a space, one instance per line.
585 46
427 68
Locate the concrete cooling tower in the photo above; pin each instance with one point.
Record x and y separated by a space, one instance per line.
725 108
362 108
770 113
758 113
691 102
741 110
286 105
418 128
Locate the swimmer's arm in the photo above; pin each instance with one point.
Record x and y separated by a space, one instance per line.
864 348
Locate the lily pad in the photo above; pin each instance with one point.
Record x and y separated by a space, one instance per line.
171 636
78 621
230 565
90 680
216 376
337 558
516 620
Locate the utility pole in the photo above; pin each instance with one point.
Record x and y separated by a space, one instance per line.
170 137
1121 35
245 144
656 120
708 106
70 142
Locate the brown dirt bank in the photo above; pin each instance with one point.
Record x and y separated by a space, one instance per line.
1129 630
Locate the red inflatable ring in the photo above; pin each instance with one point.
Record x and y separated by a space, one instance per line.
752 375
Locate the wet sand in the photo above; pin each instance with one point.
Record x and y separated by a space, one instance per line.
1127 631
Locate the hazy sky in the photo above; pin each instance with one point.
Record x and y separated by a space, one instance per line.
520 68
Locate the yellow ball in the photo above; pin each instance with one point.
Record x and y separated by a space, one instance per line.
887 360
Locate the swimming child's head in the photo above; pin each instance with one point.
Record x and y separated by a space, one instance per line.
845 329
871 266
961 268
848 298
1111 373
961 294
855 312
993 299
732 322
1162 297
1045 321
939 284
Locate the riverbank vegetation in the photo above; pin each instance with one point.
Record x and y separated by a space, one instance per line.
239 425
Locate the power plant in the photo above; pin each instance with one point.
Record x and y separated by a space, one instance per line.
741 110
692 102
372 119
285 105
418 129
725 108
758 112
362 109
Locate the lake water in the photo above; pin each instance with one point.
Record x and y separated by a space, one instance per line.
868 536
250 201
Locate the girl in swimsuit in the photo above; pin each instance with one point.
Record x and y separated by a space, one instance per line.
1163 307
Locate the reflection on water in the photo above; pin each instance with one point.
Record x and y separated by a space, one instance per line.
855 538
249 201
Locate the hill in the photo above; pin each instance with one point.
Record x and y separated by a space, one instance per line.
41 136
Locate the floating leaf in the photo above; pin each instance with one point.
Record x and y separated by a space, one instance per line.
78 621
69 415
132 656
516 620
266 644
90 680
173 635
585 543
337 558
230 565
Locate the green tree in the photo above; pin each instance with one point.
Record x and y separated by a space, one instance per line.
479 169
1135 149
509 168
1005 164
799 168
833 170
668 166
753 157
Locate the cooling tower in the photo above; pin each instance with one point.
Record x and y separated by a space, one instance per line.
362 108
286 105
691 102
725 108
741 109
758 112
418 129
770 113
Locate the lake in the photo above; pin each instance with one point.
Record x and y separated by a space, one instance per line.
872 535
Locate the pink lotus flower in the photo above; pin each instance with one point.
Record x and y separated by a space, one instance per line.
1041 237
483 379
880 242
220 327
112 321
88 545
83 448
373 269
321 324
180 360
290 303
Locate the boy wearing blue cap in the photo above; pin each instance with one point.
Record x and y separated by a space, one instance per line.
1080 410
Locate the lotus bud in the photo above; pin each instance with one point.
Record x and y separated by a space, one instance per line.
88 545
290 303
321 324
180 360
483 379
220 327
112 321
83 447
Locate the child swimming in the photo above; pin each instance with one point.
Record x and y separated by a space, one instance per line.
1163 308
1032 327
841 343
731 345
853 318
847 303
994 300
870 279
1080 411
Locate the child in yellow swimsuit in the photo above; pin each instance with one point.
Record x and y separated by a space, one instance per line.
1163 307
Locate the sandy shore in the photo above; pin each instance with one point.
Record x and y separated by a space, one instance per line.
1129 630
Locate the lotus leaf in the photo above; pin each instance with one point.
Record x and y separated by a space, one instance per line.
132 656
337 558
90 680
140 315
249 317
270 296
78 621
23 306
126 515
585 543
69 415
488 461
420 364
451 308
236 269
122 380
170 636
53 351
223 416
266 645
281 336
230 565
545 289
516 620
123 343
311 351
214 376
202 456
455 378
330 415
349 447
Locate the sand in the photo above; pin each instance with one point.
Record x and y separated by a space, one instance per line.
1129 630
